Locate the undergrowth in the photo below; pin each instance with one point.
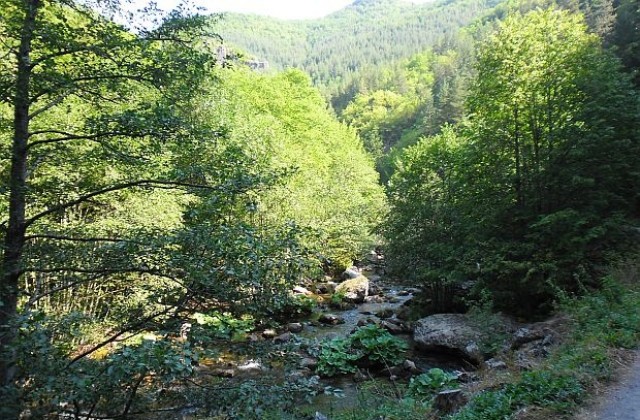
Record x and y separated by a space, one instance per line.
602 322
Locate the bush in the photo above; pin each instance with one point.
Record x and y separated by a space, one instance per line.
424 386
368 346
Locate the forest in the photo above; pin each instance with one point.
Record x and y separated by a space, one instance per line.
414 211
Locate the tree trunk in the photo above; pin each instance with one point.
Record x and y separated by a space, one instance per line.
14 242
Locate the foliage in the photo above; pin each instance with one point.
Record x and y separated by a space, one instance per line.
331 189
224 325
367 346
603 321
129 379
253 399
425 385
533 189
346 50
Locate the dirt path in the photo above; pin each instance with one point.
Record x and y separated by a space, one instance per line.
621 401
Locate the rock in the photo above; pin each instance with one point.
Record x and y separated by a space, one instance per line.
350 273
449 401
375 278
374 289
299 290
354 290
308 363
525 335
496 364
224 373
269 333
374 299
295 327
410 366
396 371
393 328
251 367
330 319
385 313
464 377
365 322
403 293
359 376
326 288
320 416
283 338
451 333
299 374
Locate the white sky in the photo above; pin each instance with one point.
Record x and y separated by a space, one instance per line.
283 9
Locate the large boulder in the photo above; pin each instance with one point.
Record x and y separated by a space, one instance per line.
354 290
449 333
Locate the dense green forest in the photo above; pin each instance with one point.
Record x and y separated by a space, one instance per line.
159 206
345 50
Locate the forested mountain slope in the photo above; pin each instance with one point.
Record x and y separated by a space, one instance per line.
366 35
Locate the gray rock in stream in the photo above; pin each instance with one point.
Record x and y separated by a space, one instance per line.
331 319
354 290
350 273
450 333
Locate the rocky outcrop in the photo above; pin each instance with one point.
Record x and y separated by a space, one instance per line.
354 290
449 333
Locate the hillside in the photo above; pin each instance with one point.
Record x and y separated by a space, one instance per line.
339 49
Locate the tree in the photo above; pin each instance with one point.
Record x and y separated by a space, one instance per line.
78 86
552 161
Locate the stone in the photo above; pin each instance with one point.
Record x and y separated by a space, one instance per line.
375 278
359 376
299 290
299 374
410 366
308 363
496 364
449 333
374 299
354 290
224 373
365 322
330 319
384 313
295 327
283 338
251 366
326 288
350 273
449 401
392 327
269 333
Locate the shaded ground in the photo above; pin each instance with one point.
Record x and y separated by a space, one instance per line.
621 400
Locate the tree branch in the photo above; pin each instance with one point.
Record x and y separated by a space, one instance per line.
118 187
71 136
76 239
125 330
54 102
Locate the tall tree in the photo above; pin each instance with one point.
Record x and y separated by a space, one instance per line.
552 161
61 56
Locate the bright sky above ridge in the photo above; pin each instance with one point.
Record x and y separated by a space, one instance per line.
283 9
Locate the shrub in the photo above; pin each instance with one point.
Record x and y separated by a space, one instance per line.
425 385
368 346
